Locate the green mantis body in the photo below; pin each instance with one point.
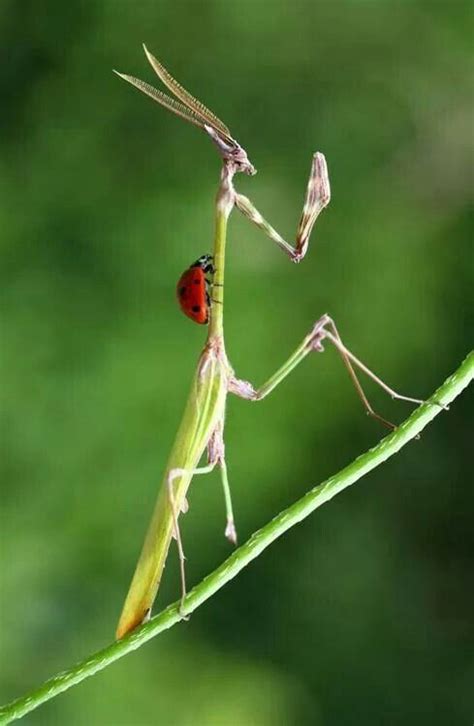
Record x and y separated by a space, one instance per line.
204 409
203 419
203 416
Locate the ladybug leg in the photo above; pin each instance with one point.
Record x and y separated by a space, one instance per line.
210 299
318 196
324 329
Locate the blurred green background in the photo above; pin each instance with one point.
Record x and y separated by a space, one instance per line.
363 614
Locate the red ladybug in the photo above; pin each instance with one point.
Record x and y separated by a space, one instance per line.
193 290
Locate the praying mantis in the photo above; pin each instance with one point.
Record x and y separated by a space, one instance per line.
202 425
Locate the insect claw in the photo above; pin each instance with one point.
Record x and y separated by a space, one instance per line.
184 616
317 335
231 532
317 345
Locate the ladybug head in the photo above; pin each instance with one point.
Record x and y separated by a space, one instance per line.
205 263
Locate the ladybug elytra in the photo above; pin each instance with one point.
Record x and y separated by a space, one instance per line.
193 290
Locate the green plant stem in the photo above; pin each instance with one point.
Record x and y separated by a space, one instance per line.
224 206
258 542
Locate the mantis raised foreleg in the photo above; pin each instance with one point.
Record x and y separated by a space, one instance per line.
318 196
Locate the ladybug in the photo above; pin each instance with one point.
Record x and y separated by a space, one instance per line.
193 290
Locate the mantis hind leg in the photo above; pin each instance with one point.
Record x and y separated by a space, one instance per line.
172 475
324 329
216 457
216 454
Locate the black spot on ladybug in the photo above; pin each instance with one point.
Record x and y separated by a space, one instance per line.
196 308
182 291
197 281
